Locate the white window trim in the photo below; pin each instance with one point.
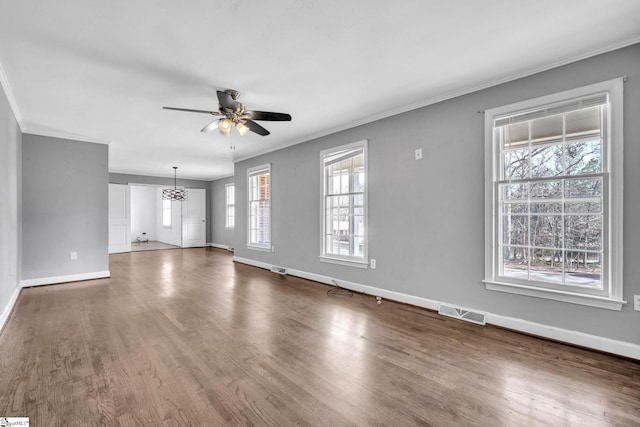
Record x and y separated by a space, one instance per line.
226 205
259 247
344 261
336 259
614 153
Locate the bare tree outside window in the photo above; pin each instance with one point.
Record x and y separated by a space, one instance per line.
551 200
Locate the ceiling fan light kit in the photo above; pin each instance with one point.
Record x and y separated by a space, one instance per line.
242 128
232 113
225 126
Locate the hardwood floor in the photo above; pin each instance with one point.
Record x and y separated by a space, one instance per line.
187 337
151 246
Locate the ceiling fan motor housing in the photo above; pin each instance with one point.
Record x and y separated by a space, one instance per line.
234 93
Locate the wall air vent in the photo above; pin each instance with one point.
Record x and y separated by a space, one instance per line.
279 270
462 314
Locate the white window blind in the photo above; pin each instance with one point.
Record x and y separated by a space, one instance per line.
553 109
259 187
230 209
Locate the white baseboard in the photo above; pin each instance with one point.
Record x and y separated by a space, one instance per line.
218 245
252 262
595 342
7 310
581 339
63 279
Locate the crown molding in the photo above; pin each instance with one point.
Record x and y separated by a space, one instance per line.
64 135
9 94
450 95
4 81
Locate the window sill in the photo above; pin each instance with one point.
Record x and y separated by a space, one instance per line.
570 297
347 262
260 248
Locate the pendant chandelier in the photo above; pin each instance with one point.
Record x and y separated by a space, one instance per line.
174 194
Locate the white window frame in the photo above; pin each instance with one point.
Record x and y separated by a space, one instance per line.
167 206
230 220
612 294
259 170
352 261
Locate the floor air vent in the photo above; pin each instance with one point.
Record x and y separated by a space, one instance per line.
279 270
462 314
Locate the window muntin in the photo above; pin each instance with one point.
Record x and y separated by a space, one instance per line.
554 196
259 195
551 224
344 203
230 209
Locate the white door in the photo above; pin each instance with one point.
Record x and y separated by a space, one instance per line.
119 219
194 225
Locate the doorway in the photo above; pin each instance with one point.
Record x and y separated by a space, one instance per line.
139 216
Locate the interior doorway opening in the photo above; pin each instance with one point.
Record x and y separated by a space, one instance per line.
154 223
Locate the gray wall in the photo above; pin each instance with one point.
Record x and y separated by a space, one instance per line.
426 217
10 207
65 207
120 178
220 234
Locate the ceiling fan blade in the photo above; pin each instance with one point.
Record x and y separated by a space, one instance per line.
211 126
226 101
254 127
267 115
215 113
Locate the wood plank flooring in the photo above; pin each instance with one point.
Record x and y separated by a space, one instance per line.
187 337
152 245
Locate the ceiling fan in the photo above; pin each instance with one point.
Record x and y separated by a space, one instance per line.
232 113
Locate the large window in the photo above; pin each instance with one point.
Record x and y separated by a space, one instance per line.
259 189
230 205
554 202
344 218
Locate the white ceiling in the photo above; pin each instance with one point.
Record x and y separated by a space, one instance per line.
102 70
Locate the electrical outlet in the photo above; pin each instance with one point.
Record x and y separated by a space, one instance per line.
372 264
636 302
418 153
73 255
